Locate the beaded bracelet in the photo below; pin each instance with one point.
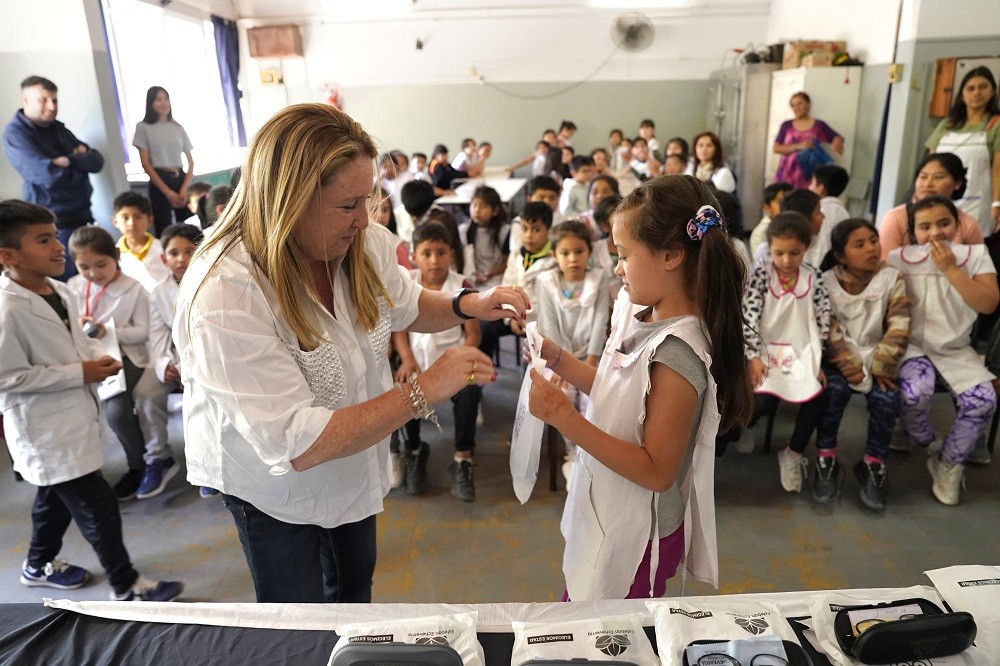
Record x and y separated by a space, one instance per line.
419 407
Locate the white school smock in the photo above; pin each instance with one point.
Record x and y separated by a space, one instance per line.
428 347
940 319
607 520
123 300
162 351
51 417
862 316
149 271
788 327
249 408
516 274
579 325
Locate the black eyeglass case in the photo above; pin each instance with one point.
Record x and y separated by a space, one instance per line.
796 655
397 654
932 633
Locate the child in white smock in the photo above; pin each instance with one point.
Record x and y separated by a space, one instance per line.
949 285
641 500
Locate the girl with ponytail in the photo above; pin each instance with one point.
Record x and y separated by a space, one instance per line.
671 376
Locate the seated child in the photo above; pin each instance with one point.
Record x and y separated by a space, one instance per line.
805 203
140 250
863 353
487 238
163 377
212 205
773 194
105 294
542 189
605 254
195 193
523 268
948 286
828 183
787 319
432 254
48 372
573 201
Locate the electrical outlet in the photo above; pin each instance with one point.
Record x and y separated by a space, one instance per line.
895 72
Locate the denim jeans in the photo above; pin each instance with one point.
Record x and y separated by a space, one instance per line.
883 409
123 421
90 502
305 563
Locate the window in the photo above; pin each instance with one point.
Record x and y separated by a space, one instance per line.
154 46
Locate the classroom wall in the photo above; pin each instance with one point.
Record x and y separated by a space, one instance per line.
73 55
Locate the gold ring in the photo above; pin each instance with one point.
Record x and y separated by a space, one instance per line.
475 366
471 379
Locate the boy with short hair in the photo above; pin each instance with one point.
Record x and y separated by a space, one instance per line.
540 189
773 195
647 130
574 195
828 183
163 377
433 257
805 203
48 369
674 165
418 165
140 250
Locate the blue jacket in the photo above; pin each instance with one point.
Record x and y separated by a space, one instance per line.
66 192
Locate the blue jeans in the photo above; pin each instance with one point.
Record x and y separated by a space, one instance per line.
883 409
305 564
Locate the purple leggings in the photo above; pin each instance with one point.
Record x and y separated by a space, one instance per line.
975 408
671 554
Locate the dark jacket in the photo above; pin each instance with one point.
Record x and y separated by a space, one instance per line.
66 192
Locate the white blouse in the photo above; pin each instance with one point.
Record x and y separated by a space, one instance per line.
248 406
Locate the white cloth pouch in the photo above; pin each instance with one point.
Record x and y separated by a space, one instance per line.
526 438
457 631
115 384
614 638
681 622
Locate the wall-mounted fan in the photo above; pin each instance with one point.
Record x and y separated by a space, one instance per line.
632 31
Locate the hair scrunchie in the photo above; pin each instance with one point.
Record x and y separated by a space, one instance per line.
706 218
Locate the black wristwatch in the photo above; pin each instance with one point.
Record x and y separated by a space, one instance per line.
458 297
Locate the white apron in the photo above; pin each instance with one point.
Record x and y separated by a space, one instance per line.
607 519
428 347
862 316
788 327
972 149
940 319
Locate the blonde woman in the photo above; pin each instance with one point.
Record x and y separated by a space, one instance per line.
283 321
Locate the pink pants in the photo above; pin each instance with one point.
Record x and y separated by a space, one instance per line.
671 553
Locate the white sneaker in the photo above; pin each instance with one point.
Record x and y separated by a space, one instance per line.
935 447
396 470
948 479
479 417
791 465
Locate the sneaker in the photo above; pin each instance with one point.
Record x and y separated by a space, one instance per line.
154 480
150 590
56 573
462 485
205 492
479 417
791 466
127 486
746 442
981 454
934 448
415 469
395 469
948 479
874 490
825 479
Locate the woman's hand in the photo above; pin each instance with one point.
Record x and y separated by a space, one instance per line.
942 255
547 401
454 370
757 371
489 305
406 368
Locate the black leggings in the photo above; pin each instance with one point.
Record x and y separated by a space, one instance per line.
806 421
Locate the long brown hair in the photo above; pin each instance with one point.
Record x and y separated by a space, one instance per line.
299 150
657 215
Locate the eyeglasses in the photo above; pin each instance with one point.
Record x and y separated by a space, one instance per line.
726 660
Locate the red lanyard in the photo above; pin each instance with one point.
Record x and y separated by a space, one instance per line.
87 312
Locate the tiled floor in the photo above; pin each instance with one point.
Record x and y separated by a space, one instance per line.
435 548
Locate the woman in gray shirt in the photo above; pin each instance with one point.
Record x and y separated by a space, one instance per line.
161 141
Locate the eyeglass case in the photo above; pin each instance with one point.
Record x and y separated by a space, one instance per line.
398 654
932 633
575 662
796 655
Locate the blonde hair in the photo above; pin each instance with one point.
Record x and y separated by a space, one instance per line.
299 150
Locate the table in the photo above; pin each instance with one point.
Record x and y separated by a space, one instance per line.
507 188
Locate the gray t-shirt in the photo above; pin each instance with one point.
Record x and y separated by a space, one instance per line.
165 141
679 357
